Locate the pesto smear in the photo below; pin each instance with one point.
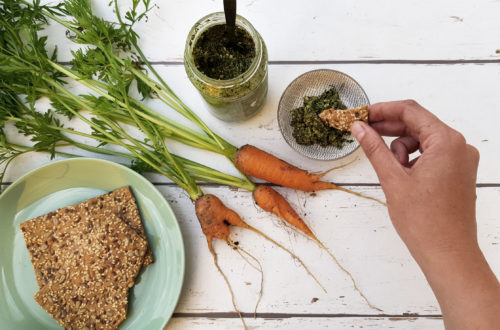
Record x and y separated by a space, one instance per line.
309 129
216 56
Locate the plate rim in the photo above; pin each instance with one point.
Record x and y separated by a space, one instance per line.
148 183
279 106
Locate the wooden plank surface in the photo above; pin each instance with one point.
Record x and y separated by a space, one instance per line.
464 96
445 55
336 30
299 323
356 230
359 233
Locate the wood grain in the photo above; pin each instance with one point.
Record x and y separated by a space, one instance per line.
299 323
452 92
444 55
358 231
326 30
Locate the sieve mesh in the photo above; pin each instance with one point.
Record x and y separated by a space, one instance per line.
313 83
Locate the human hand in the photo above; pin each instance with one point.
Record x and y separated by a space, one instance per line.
431 199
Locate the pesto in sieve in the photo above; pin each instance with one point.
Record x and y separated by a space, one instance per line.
308 128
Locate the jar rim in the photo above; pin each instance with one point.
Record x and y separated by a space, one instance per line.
205 23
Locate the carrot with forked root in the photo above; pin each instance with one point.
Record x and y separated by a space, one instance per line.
255 162
271 201
215 219
142 116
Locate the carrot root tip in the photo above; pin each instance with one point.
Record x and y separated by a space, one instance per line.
242 251
349 275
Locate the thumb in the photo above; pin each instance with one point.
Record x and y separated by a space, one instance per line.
377 152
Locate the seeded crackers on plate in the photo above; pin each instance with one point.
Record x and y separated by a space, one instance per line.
86 257
66 182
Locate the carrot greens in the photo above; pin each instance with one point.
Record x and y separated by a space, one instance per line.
105 59
109 64
29 71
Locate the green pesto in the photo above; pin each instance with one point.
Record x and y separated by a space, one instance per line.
242 92
218 57
308 128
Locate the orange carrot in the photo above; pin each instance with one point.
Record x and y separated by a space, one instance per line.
255 162
215 219
271 201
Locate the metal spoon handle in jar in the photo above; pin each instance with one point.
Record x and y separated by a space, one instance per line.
230 13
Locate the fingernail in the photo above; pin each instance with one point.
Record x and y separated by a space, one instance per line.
398 157
358 130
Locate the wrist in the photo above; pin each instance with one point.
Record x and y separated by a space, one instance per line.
450 259
448 270
463 281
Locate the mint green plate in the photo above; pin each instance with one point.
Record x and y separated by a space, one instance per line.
153 298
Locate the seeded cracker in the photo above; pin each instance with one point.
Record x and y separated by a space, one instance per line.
123 205
74 309
87 260
343 119
38 232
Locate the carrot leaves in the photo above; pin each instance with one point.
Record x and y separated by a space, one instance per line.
107 67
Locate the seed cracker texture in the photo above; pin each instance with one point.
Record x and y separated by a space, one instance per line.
85 259
343 119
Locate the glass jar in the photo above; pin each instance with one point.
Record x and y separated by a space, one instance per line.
233 99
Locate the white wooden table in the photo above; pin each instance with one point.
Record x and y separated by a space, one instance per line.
445 55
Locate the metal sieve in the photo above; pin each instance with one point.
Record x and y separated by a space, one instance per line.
313 83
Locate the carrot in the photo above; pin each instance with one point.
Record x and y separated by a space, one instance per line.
271 201
215 219
253 161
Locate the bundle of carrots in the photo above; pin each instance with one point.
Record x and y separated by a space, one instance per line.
214 217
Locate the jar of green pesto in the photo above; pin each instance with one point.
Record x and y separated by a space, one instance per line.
230 72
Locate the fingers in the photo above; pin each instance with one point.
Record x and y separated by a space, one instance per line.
390 128
381 158
403 147
418 122
474 152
